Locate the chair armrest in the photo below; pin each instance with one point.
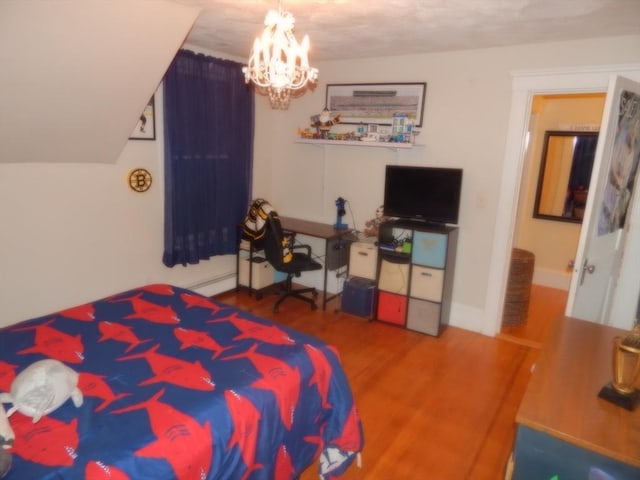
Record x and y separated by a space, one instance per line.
302 247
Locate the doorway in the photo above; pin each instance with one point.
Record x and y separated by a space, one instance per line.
525 85
552 240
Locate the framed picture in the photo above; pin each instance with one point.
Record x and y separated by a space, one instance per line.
376 103
146 126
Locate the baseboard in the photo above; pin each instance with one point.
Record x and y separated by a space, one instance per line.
469 318
552 278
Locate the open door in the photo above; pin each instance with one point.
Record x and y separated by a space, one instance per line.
606 221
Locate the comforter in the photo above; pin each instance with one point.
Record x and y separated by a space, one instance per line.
176 385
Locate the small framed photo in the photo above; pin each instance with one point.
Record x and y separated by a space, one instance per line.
146 126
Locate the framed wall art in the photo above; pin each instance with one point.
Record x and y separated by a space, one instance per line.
376 103
146 126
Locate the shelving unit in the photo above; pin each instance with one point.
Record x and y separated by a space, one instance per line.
356 143
415 279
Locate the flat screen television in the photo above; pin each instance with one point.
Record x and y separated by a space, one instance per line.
427 194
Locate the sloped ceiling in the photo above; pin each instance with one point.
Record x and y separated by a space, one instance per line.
76 74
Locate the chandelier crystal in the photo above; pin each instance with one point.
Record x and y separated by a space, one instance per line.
278 63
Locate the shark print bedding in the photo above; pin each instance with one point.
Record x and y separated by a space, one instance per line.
176 385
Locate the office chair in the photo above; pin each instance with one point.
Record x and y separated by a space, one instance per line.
281 254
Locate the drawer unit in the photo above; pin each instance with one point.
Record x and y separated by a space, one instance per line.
429 249
363 260
262 274
338 251
393 277
426 283
392 308
424 316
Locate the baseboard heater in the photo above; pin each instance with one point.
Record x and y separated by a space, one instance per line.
215 285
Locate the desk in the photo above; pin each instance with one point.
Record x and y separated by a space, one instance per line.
564 429
318 230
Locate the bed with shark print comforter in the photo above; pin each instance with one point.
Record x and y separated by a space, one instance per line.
176 385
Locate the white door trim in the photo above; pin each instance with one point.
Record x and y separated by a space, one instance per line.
526 84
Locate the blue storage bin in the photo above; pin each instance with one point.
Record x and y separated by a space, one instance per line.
429 249
358 296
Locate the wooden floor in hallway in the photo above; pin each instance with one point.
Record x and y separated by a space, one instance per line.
546 304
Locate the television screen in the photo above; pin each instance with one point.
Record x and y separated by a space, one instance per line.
427 194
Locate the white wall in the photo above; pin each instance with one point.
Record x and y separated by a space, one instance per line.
466 120
72 233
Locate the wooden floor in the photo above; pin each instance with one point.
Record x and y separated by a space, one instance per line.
545 305
437 408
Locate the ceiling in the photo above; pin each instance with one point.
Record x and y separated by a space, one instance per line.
345 29
53 83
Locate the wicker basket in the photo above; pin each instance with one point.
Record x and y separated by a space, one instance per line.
516 300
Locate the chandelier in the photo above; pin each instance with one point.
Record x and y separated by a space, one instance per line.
278 63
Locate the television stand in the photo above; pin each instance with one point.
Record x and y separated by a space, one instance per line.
416 261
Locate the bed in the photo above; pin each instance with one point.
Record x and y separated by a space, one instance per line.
176 385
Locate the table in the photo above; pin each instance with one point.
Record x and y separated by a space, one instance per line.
329 234
564 429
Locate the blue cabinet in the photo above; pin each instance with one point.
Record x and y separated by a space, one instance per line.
539 455
564 430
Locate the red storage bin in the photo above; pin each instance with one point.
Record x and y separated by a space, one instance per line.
392 308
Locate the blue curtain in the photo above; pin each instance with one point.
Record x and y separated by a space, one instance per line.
584 153
208 130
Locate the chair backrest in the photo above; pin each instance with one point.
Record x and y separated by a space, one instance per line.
254 225
274 241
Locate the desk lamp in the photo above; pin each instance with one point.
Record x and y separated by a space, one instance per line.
341 212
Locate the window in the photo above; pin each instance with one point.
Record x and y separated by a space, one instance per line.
208 129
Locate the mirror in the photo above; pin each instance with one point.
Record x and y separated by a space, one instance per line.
565 172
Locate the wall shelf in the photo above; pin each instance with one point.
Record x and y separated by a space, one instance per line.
356 143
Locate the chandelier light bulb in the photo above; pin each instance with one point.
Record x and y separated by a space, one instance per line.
278 63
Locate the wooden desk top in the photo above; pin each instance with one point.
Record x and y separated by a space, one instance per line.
562 397
313 229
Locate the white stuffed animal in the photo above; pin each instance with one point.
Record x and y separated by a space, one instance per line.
38 390
6 432
6 440
5 462
41 388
